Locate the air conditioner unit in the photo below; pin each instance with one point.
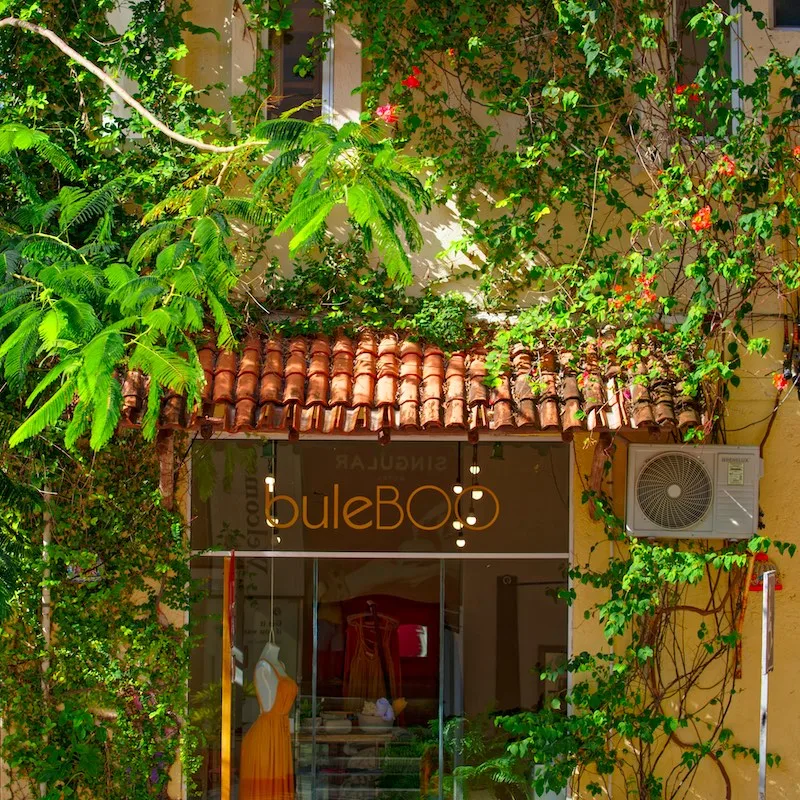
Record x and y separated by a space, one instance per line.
693 492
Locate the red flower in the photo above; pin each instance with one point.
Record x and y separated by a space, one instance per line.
416 71
451 51
796 151
649 296
618 288
411 82
692 88
780 381
387 113
727 166
701 221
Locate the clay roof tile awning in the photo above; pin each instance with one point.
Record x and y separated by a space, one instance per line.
378 384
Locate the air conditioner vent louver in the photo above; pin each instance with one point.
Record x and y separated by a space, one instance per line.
674 491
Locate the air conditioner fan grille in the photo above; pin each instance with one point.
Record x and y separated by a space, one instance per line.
674 491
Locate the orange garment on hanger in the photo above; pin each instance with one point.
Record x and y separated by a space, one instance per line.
267 767
363 673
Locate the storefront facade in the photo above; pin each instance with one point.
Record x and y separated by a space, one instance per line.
370 592
326 474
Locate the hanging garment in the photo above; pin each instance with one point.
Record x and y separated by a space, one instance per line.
363 673
267 768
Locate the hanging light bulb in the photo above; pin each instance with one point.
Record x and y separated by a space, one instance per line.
457 486
471 519
270 481
458 524
477 494
473 467
461 541
277 539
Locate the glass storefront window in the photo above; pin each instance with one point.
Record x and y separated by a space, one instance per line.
399 659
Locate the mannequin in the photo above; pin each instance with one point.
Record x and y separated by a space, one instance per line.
268 669
267 765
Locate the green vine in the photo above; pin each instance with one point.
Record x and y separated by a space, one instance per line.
109 684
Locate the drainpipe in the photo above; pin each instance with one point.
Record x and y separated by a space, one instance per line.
47 536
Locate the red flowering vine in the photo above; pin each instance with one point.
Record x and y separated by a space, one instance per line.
727 166
780 381
692 88
701 221
412 81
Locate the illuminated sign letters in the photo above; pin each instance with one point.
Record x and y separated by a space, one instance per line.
384 511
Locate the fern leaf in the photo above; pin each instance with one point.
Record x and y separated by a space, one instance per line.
279 167
65 366
78 425
398 265
282 133
151 240
307 216
172 255
100 358
163 366
79 206
50 328
46 415
225 336
106 411
17 352
176 202
81 320
202 199
18 137
247 211
208 237
152 412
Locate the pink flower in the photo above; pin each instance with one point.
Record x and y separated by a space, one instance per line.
387 113
411 82
727 166
701 221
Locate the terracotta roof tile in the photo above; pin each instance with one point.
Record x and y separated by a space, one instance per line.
317 385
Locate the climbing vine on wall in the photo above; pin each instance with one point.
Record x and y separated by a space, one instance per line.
108 683
647 713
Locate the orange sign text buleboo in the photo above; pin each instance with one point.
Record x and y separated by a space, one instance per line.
385 511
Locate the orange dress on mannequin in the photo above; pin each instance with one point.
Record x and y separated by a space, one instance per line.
267 769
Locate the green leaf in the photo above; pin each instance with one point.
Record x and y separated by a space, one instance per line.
46 416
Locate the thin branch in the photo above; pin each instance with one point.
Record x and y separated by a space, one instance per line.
13 22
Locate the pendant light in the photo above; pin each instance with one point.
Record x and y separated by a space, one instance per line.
457 486
270 453
474 468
